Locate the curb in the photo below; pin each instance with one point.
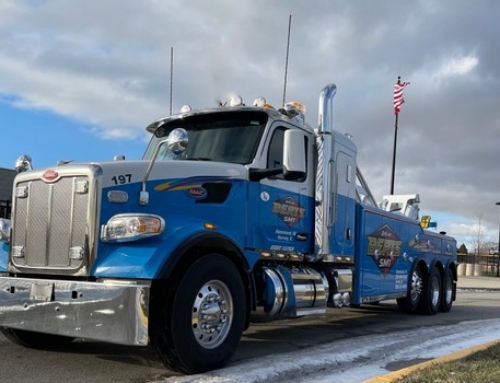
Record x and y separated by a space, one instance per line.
392 376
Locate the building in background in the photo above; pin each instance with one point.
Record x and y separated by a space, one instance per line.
6 182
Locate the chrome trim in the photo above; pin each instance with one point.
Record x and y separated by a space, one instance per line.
280 297
144 194
113 311
338 258
212 314
50 223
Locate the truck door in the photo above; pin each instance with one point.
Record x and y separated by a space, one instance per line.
344 204
284 209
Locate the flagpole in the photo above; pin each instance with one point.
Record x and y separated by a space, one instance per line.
394 154
394 149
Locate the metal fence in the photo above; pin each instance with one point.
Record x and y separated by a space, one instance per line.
478 265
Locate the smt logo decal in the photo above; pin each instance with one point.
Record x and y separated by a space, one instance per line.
384 247
289 211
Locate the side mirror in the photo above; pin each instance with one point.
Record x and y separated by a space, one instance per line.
177 141
23 164
294 156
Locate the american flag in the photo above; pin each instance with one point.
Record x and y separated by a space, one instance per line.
398 95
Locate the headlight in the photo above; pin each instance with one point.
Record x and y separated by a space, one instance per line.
4 230
131 227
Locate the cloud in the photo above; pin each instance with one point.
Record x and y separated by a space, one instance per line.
458 67
107 64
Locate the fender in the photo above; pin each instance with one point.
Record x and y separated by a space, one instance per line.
419 261
438 264
452 265
146 258
185 252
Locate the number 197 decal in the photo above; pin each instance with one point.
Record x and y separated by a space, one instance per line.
122 179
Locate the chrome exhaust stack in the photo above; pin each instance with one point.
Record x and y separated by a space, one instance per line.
323 213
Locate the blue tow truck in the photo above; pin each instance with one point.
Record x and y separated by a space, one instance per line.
234 214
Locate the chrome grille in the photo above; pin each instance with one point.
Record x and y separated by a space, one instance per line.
49 223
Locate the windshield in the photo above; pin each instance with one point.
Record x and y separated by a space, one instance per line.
223 137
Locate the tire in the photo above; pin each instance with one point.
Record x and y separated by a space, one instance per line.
431 298
200 325
35 339
414 295
447 292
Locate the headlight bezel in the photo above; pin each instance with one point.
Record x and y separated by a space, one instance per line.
131 227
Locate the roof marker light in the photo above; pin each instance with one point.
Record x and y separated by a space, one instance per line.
236 100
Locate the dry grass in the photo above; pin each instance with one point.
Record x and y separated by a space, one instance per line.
481 367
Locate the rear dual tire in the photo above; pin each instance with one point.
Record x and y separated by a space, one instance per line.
448 292
431 297
414 293
428 294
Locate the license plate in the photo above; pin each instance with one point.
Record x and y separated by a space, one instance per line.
42 291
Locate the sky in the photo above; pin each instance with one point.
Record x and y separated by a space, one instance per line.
81 81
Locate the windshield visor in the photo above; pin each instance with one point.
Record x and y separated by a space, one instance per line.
224 137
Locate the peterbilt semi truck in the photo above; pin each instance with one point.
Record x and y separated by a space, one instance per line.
234 214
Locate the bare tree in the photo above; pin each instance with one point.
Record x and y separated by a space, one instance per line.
490 247
477 239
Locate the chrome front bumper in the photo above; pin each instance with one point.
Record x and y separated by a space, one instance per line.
108 311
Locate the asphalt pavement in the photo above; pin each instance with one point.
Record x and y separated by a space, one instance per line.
479 283
463 283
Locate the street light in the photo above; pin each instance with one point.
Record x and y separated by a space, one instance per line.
498 254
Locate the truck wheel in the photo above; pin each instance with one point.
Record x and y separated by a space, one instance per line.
200 326
35 339
447 291
414 294
431 298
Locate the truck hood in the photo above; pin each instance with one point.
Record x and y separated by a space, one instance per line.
118 172
115 173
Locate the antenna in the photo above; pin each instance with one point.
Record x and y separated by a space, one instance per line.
286 62
171 75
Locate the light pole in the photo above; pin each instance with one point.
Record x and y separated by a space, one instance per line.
498 254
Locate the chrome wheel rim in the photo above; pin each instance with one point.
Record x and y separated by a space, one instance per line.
416 286
448 290
435 291
212 314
